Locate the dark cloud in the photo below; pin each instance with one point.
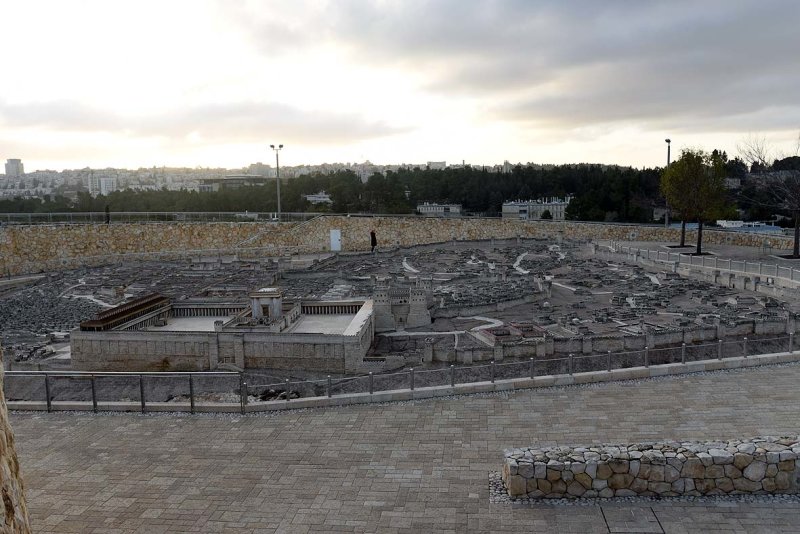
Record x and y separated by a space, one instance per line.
241 121
578 62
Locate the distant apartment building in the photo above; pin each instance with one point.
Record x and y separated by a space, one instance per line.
233 181
14 168
102 184
439 210
533 209
437 165
261 169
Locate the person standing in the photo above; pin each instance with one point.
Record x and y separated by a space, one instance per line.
373 240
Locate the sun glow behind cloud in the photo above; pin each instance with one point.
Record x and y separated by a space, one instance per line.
213 83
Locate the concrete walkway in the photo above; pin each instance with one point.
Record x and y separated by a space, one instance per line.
403 467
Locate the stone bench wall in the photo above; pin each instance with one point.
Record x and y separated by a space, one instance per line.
756 466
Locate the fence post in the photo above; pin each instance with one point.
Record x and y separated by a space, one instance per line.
242 391
532 370
608 361
191 393
329 386
94 396
569 363
646 356
142 399
492 371
287 390
719 350
411 378
744 347
47 392
452 376
243 396
370 383
683 353
791 342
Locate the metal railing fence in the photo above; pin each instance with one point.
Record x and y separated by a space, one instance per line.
91 390
757 268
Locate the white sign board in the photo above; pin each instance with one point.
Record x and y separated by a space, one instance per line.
336 240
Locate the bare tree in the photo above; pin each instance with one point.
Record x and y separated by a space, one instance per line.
754 149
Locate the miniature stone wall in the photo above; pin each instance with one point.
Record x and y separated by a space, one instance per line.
37 248
203 351
13 508
754 466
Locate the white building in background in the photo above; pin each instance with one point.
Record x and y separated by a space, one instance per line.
533 209
437 165
102 184
14 168
439 210
319 198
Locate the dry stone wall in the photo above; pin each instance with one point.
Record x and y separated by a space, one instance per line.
13 507
756 466
30 249
37 248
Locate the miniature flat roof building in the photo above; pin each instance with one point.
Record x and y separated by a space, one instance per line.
153 333
269 299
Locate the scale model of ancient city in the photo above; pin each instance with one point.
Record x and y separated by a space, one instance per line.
427 306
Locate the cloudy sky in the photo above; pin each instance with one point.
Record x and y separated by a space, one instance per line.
129 83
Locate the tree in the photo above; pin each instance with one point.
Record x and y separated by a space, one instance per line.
785 193
547 215
755 151
791 163
694 186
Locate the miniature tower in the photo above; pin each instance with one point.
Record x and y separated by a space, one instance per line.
382 310
269 300
418 314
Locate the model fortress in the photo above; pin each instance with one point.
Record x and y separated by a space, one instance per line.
153 333
398 308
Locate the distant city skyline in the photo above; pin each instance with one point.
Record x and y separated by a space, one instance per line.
206 83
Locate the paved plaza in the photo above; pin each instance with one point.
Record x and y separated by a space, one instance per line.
417 467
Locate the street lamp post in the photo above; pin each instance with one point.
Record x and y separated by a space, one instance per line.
666 215
278 176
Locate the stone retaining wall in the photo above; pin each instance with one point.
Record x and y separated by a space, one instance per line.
13 508
37 248
754 466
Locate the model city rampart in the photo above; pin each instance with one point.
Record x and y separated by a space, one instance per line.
40 248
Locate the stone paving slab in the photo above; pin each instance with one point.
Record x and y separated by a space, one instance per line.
418 466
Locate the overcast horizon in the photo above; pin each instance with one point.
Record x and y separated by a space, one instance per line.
205 83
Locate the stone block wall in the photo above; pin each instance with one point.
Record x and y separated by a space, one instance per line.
37 248
755 466
13 508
